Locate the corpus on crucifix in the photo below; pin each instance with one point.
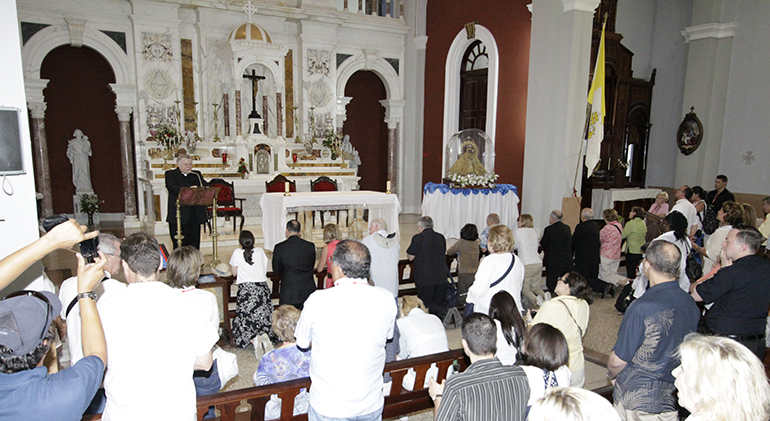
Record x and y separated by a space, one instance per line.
254 81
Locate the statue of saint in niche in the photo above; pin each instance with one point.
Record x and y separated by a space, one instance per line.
78 152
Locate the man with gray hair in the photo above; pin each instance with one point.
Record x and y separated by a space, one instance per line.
192 216
347 327
109 245
556 244
653 327
385 250
428 255
492 220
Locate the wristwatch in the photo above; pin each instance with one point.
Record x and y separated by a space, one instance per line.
91 295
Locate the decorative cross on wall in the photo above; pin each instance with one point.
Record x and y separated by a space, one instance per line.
249 9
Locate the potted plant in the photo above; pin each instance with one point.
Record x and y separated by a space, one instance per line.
242 170
90 204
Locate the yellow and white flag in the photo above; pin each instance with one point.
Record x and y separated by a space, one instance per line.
597 112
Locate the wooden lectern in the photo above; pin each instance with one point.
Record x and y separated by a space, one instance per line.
199 196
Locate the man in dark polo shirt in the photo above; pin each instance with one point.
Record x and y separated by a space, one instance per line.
428 255
740 291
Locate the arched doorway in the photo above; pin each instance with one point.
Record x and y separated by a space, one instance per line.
78 96
365 123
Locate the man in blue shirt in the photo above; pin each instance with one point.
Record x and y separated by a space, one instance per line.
27 391
653 327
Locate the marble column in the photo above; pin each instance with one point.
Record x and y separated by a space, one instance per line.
561 33
394 113
127 161
342 103
238 117
279 115
40 150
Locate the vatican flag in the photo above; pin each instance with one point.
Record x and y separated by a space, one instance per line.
596 107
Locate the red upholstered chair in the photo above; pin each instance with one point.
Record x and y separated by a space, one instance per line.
277 185
323 183
226 201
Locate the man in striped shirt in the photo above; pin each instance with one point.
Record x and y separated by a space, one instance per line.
487 390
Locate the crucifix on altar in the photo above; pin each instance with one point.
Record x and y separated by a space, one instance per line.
254 116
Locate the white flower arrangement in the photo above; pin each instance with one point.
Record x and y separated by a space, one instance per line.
472 180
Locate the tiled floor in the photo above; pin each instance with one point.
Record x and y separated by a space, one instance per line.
600 335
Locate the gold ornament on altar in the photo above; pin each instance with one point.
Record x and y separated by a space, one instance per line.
469 162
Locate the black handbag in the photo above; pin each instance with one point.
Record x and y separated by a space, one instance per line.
450 297
625 298
693 269
710 222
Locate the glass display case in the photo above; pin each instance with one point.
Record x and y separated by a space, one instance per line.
469 152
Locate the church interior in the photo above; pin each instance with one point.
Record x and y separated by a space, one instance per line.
368 94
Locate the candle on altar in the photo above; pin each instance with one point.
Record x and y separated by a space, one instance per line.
387 187
286 186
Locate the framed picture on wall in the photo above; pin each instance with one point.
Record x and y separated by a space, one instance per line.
11 158
690 133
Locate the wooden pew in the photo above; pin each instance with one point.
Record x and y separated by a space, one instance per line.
398 402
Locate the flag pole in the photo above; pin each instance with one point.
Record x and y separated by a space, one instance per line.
589 108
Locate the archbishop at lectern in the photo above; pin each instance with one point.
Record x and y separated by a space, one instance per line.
192 216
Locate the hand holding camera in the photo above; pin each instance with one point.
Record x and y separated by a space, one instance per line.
64 233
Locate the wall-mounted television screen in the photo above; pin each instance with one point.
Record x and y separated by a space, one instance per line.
11 158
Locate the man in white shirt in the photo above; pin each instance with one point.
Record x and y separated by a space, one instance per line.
109 245
155 339
686 208
384 249
347 326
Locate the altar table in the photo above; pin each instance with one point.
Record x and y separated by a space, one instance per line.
605 199
276 207
451 208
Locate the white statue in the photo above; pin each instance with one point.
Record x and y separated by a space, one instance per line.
78 151
350 152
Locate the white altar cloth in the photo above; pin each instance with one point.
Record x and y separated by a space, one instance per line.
605 199
451 209
276 207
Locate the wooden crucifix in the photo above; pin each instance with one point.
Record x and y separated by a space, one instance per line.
254 81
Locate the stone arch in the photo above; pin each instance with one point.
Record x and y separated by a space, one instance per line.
38 47
380 67
452 83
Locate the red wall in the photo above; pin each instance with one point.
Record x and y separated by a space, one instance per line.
365 123
510 22
78 97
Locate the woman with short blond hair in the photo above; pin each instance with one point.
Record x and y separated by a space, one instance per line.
611 237
499 271
721 380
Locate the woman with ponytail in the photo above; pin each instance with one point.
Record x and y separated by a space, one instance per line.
254 307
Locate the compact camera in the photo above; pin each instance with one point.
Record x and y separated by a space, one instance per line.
88 248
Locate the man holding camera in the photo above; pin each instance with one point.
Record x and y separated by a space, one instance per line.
27 391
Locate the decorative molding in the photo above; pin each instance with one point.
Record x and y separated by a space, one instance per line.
37 109
709 31
421 42
394 111
125 95
370 57
76 27
158 84
580 5
156 46
124 112
33 88
319 62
